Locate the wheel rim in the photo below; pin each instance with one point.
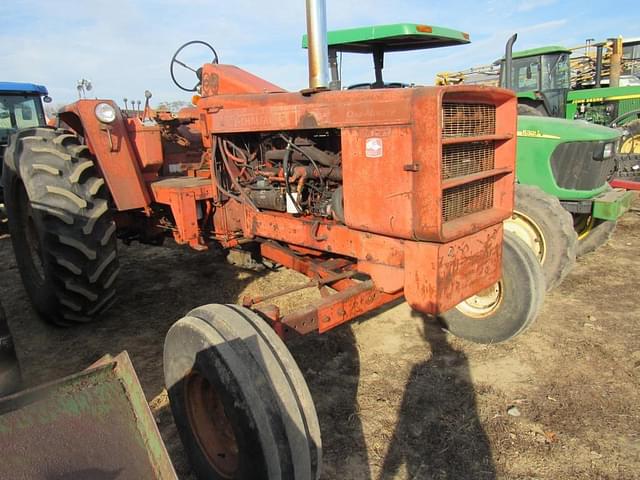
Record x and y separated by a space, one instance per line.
210 425
631 145
32 239
483 303
529 232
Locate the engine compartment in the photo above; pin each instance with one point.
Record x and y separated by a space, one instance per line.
299 173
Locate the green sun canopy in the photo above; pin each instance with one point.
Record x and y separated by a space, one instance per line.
392 38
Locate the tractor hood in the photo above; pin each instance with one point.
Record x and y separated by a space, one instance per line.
560 130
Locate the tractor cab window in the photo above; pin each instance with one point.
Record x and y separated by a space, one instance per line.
556 72
526 74
631 59
19 111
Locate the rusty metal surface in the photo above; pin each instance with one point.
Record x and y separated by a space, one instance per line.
396 135
439 276
92 425
114 151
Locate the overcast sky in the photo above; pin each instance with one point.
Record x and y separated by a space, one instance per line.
124 47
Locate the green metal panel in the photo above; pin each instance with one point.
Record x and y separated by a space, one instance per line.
613 204
94 424
392 37
529 95
532 52
604 94
538 137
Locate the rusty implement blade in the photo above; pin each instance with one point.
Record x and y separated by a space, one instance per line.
95 425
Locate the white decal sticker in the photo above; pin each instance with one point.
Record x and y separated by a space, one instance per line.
373 147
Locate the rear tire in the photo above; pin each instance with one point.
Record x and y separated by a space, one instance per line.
240 402
61 226
506 309
630 143
524 109
546 227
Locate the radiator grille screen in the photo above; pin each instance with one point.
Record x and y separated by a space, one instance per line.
467 158
468 120
467 199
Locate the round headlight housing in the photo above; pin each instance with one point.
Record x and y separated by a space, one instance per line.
105 113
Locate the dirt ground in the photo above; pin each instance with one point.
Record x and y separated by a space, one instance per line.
397 397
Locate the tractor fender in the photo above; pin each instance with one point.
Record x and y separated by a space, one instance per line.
113 149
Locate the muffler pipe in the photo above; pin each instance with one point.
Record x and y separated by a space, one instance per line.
508 62
317 45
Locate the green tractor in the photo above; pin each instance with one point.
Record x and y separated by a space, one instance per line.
564 206
20 107
542 79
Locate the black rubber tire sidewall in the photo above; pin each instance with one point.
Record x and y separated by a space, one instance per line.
41 292
524 109
523 294
215 369
600 234
264 389
557 229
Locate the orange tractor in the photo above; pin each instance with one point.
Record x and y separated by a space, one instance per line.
375 195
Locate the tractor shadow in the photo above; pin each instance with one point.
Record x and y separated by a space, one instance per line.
439 434
331 365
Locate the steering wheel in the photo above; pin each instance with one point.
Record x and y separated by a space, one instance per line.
198 72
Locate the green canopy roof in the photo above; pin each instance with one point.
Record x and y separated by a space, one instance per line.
392 38
532 52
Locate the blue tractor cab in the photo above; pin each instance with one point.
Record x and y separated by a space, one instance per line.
20 107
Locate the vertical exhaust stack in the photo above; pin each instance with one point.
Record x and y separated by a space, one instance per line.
508 62
317 45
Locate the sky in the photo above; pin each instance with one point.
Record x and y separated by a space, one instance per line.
124 47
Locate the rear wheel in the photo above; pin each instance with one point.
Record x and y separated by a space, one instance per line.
631 141
524 109
240 403
507 308
540 221
61 227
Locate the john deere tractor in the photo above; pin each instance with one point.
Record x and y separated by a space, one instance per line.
564 206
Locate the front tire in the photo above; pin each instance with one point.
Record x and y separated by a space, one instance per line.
546 227
62 229
509 307
593 234
240 402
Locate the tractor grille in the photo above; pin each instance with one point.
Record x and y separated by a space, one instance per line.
468 120
467 199
575 165
467 158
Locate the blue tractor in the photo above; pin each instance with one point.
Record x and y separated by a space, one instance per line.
20 107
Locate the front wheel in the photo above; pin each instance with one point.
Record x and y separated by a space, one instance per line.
592 233
546 227
507 308
240 402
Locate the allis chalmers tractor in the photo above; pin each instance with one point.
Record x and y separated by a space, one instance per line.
376 195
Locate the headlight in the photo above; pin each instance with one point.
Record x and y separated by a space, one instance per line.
607 151
105 113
